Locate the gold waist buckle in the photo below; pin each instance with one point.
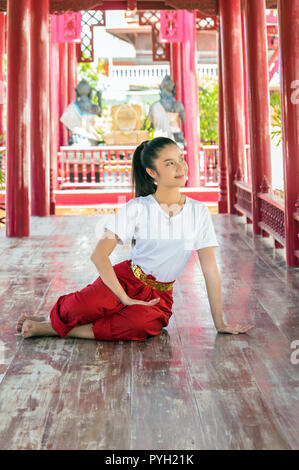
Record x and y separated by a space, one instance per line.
161 286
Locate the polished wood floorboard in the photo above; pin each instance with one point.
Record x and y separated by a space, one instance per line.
188 388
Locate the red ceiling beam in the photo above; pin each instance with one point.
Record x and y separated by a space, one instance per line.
209 7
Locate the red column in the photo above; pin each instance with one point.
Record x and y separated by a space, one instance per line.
175 68
63 89
246 155
182 72
190 99
54 117
72 71
18 118
288 15
40 125
258 102
233 93
222 201
2 78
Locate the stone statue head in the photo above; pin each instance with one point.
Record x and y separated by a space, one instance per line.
83 89
168 85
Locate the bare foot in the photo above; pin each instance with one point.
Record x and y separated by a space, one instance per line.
24 317
36 328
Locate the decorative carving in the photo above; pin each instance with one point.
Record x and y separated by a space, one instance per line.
238 175
172 27
206 23
66 28
265 186
90 19
243 198
161 51
126 125
273 217
132 5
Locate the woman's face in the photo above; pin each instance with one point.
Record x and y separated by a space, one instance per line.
172 169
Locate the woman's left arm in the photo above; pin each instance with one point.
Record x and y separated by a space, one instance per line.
213 285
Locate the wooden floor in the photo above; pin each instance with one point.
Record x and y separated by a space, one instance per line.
188 388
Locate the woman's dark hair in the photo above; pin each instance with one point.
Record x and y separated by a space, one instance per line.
144 157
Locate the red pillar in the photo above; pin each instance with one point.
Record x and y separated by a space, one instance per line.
63 89
288 15
222 201
72 71
246 119
175 68
182 74
2 77
18 118
54 116
40 125
190 99
259 103
232 66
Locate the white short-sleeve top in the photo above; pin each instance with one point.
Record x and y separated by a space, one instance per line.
163 250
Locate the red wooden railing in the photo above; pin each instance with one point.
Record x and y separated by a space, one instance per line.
209 165
105 166
94 167
271 212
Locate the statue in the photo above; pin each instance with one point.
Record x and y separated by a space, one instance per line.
83 95
126 125
82 116
164 114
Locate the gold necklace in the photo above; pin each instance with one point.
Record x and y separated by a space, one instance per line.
169 216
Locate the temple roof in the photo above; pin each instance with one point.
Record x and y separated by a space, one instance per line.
205 6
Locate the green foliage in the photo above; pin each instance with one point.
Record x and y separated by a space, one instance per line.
147 126
276 115
208 109
2 178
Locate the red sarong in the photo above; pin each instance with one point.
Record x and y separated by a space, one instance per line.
112 320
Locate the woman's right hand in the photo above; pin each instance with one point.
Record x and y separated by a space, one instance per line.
129 301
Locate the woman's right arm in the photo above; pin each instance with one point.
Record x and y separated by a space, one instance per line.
100 257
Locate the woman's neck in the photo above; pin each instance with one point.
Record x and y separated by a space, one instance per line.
169 196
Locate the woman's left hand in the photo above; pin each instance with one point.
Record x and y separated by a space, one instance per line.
234 329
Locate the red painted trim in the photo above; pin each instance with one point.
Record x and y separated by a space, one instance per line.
94 197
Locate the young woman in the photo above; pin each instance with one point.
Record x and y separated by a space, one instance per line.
132 300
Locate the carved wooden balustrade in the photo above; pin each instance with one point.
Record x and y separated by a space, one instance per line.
104 166
271 213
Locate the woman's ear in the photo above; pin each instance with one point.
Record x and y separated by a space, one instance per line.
150 172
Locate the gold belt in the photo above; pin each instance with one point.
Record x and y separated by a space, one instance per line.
162 286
